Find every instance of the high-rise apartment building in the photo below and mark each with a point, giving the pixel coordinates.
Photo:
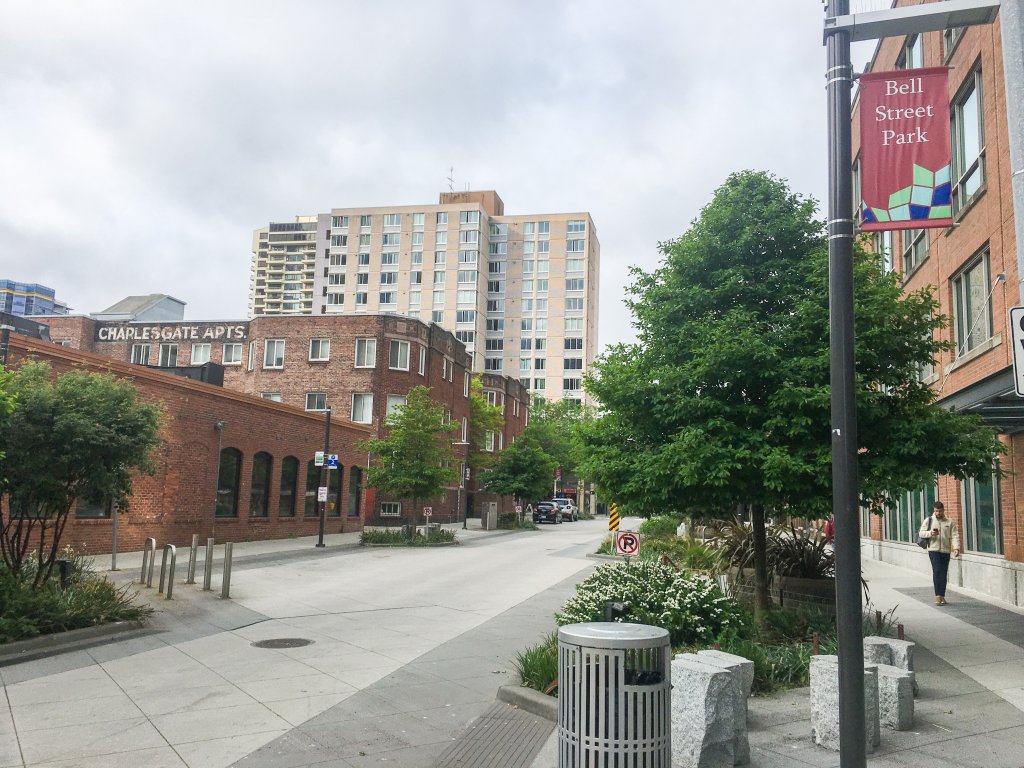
(521, 292)
(29, 299)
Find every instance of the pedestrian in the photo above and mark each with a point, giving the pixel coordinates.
(943, 541)
(830, 530)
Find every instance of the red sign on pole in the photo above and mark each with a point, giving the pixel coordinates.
(905, 150)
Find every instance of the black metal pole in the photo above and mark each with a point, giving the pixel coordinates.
(325, 475)
(5, 343)
(839, 78)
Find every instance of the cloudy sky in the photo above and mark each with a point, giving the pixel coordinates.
(142, 142)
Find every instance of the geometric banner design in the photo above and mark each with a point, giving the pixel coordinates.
(929, 197)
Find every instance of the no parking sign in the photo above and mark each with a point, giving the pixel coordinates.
(627, 543)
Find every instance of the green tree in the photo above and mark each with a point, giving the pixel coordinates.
(724, 400)
(82, 436)
(414, 459)
(523, 470)
(483, 418)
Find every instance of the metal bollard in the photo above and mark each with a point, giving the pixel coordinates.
(899, 632)
(163, 570)
(225, 582)
(148, 553)
(193, 555)
(208, 573)
(64, 568)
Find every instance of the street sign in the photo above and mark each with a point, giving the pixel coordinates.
(428, 511)
(627, 543)
(318, 459)
(321, 493)
(519, 509)
(332, 461)
(613, 518)
(1017, 334)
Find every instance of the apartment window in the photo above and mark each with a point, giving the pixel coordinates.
(366, 353)
(274, 397)
(439, 278)
(494, 345)
(968, 138)
(439, 298)
(437, 316)
(465, 384)
(465, 316)
(525, 364)
(526, 324)
(417, 257)
(527, 286)
(489, 441)
(339, 222)
(572, 385)
(574, 265)
(528, 267)
(394, 403)
(140, 354)
(414, 299)
(364, 241)
(389, 259)
(575, 226)
(391, 509)
(423, 361)
(273, 353)
(439, 258)
(392, 220)
(364, 221)
(499, 230)
(972, 310)
(200, 354)
(466, 337)
(469, 217)
(495, 325)
(288, 487)
(339, 241)
(983, 529)
(574, 246)
(252, 356)
(541, 305)
(574, 343)
(390, 239)
(168, 355)
(468, 257)
(543, 228)
(442, 218)
(542, 267)
(231, 354)
(469, 237)
(418, 220)
(574, 284)
(398, 355)
(335, 299)
(529, 228)
(360, 299)
(525, 344)
(572, 364)
(574, 305)
(362, 407)
(543, 248)
(465, 429)
(497, 305)
(389, 278)
(417, 238)
(493, 364)
(540, 363)
(363, 260)
(915, 248)
(319, 350)
(883, 247)
(336, 278)
(338, 259)
(465, 297)
(496, 267)
(467, 276)
(416, 277)
(574, 323)
(440, 238)
(495, 286)
(912, 55)
(540, 384)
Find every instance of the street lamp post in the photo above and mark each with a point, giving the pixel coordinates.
(325, 475)
(463, 476)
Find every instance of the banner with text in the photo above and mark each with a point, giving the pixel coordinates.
(905, 150)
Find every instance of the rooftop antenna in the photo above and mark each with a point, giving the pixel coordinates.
(451, 179)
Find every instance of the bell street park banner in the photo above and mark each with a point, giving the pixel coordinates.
(905, 151)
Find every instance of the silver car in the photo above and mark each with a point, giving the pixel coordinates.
(569, 510)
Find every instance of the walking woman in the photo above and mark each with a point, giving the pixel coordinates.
(944, 540)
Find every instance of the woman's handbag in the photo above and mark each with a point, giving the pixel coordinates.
(923, 541)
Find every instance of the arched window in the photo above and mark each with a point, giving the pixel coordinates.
(355, 479)
(312, 483)
(259, 494)
(334, 494)
(289, 483)
(228, 475)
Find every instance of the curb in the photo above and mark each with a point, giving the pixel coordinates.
(71, 640)
(529, 700)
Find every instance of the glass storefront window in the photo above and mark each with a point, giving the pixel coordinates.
(982, 524)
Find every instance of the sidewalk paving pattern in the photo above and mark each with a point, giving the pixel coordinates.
(393, 680)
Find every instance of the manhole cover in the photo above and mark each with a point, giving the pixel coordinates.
(282, 642)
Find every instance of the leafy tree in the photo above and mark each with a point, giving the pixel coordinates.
(80, 437)
(414, 459)
(523, 470)
(483, 418)
(724, 400)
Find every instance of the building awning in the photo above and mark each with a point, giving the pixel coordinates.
(994, 399)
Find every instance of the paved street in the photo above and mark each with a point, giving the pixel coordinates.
(408, 649)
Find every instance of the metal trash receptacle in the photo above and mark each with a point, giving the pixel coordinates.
(614, 696)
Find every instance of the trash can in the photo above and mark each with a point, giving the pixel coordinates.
(614, 696)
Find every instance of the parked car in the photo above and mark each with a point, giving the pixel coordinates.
(547, 512)
(569, 510)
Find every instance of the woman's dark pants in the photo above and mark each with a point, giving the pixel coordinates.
(940, 567)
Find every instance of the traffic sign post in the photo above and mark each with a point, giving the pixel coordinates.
(321, 493)
(627, 543)
(613, 518)
(428, 511)
(1017, 334)
(318, 459)
(332, 461)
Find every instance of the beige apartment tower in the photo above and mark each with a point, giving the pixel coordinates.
(520, 291)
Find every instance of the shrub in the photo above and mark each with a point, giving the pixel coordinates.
(509, 521)
(399, 538)
(685, 553)
(538, 664)
(692, 608)
(660, 526)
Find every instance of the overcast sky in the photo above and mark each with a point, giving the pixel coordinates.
(142, 142)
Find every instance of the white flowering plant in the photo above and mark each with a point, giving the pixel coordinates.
(691, 607)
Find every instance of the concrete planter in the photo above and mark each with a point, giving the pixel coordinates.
(811, 592)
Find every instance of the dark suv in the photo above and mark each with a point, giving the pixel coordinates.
(546, 512)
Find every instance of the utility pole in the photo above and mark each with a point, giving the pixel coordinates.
(325, 474)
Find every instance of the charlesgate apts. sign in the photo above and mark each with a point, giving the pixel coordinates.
(171, 332)
(904, 155)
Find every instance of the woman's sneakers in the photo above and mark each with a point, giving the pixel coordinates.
(940, 600)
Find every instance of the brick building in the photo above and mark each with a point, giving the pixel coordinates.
(229, 465)
(360, 366)
(973, 267)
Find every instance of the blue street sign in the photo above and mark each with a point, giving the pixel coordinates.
(332, 461)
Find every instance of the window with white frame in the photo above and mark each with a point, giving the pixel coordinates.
(200, 354)
(496, 267)
(422, 370)
(388, 297)
(469, 217)
(338, 259)
(440, 237)
(574, 304)
(574, 323)
(469, 236)
(417, 238)
(574, 265)
(465, 384)
(489, 441)
(339, 241)
(574, 284)
(493, 364)
(252, 356)
(340, 222)
(442, 218)
(364, 221)
(915, 248)
(572, 364)
(883, 247)
(439, 258)
(335, 299)
(273, 353)
(437, 316)
(498, 230)
(543, 228)
(231, 354)
(468, 257)
(366, 353)
(465, 429)
(316, 401)
(391, 509)
(498, 305)
(540, 383)
(912, 54)
(438, 297)
(140, 354)
(466, 337)
(398, 355)
(541, 324)
(543, 248)
(168, 355)
(364, 241)
(575, 246)
(494, 345)
(416, 277)
(574, 343)
(572, 385)
(982, 515)
(418, 220)
(526, 324)
(465, 297)
(540, 363)
(575, 226)
(529, 248)
(362, 407)
(363, 260)
(525, 364)
(319, 350)
(389, 278)
(972, 308)
(272, 396)
(496, 286)
(392, 219)
(495, 325)
(389, 259)
(394, 403)
(414, 298)
(360, 299)
(336, 278)
(467, 276)
(968, 140)
(465, 316)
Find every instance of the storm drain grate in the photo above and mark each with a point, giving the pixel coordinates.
(282, 642)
